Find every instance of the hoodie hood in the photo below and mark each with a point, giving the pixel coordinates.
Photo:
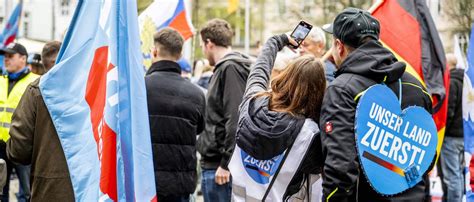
(237, 57)
(263, 133)
(373, 61)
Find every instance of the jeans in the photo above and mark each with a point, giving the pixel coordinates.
(23, 173)
(213, 192)
(451, 164)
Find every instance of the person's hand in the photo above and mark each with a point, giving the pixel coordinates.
(292, 41)
(222, 176)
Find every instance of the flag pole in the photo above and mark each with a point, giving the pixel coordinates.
(375, 5)
(53, 30)
(7, 11)
(247, 26)
(19, 22)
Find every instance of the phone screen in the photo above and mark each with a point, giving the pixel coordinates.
(300, 32)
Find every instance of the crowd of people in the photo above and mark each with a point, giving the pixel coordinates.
(294, 108)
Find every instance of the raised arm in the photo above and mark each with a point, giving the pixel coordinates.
(260, 73)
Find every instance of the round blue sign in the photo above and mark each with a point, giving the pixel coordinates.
(260, 170)
(395, 147)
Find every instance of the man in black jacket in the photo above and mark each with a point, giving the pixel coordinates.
(176, 110)
(226, 88)
(361, 62)
(453, 143)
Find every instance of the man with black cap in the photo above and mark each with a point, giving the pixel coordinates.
(12, 87)
(361, 62)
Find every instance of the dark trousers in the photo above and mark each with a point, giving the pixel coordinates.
(173, 198)
(23, 173)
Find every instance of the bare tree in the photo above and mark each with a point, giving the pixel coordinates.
(331, 8)
(461, 12)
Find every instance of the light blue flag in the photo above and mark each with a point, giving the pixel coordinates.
(468, 118)
(97, 100)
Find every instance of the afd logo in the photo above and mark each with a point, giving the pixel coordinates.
(260, 170)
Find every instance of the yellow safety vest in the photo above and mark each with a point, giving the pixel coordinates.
(9, 102)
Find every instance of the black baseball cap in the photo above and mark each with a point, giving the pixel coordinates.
(33, 58)
(13, 48)
(352, 25)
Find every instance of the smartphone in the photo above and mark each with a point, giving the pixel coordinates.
(300, 32)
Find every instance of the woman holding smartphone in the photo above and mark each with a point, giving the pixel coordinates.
(277, 128)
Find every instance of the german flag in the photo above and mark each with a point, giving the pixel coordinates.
(408, 30)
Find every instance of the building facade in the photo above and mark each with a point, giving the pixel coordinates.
(46, 20)
(42, 20)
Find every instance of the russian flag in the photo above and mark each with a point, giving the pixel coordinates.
(11, 28)
(161, 14)
(96, 97)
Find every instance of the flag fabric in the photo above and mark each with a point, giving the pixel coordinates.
(408, 30)
(233, 5)
(468, 119)
(11, 28)
(10, 32)
(96, 97)
(161, 14)
(142, 5)
(458, 51)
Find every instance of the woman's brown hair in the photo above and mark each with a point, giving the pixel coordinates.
(299, 89)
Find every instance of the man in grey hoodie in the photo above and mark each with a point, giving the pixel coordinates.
(226, 88)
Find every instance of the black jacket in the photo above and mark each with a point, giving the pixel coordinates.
(454, 120)
(176, 114)
(367, 65)
(224, 96)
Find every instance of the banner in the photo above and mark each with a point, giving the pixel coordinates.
(395, 146)
(96, 95)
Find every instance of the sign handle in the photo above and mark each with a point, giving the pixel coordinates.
(400, 91)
